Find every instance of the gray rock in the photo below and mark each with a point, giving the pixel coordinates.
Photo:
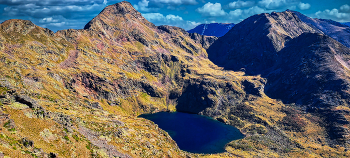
(27, 143)
(96, 105)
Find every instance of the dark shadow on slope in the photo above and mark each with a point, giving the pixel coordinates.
(194, 99)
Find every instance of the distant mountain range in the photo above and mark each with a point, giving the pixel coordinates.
(336, 30)
(213, 29)
(347, 24)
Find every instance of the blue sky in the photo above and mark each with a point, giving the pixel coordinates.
(65, 14)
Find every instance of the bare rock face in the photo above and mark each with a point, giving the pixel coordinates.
(27, 100)
(21, 26)
(206, 41)
(101, 143)
(117, 17)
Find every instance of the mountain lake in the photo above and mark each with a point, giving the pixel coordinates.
(194, 133)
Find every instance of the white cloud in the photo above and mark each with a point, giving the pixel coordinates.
(142, 6)
(48, 20)
(193, 23)
(271, 4)
(241, 14)
(60, 24)
(253, 10)
(153, 16)
(55, 14)
(160, 17)
(38, 11)
(277, 4)
(240, 4)
(172, 20)
(176, 2)
(304, 6)
(236, 13)
(154, 5)
(333, 14)
(173, 17)
(55, 21)
(211, 9)
(345, 8)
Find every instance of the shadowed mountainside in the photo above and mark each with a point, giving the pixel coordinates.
(254, 43)
(302, 65)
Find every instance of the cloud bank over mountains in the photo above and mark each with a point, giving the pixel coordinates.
(64, 14)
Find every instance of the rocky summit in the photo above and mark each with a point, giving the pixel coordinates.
(78, 93)
(254, 43)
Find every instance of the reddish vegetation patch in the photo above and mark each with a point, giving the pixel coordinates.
(101, 143)
(294, 121)
(10, 48)
(71, 60)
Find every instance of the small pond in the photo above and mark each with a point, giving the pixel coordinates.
(195, 133)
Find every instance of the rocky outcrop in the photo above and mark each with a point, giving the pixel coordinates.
(27, 101)
(113, 12)
(102, 144)
(206, 41)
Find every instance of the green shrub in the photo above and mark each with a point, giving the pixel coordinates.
(66, 138)
(76, 137)
(7, 124)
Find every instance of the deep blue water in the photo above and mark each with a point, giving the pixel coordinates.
(195, 133)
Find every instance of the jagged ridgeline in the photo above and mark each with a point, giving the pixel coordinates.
(77, 93)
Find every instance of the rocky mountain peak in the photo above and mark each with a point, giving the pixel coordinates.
(123, 8)
(116, 14)
(17, 25)
(257, 40)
